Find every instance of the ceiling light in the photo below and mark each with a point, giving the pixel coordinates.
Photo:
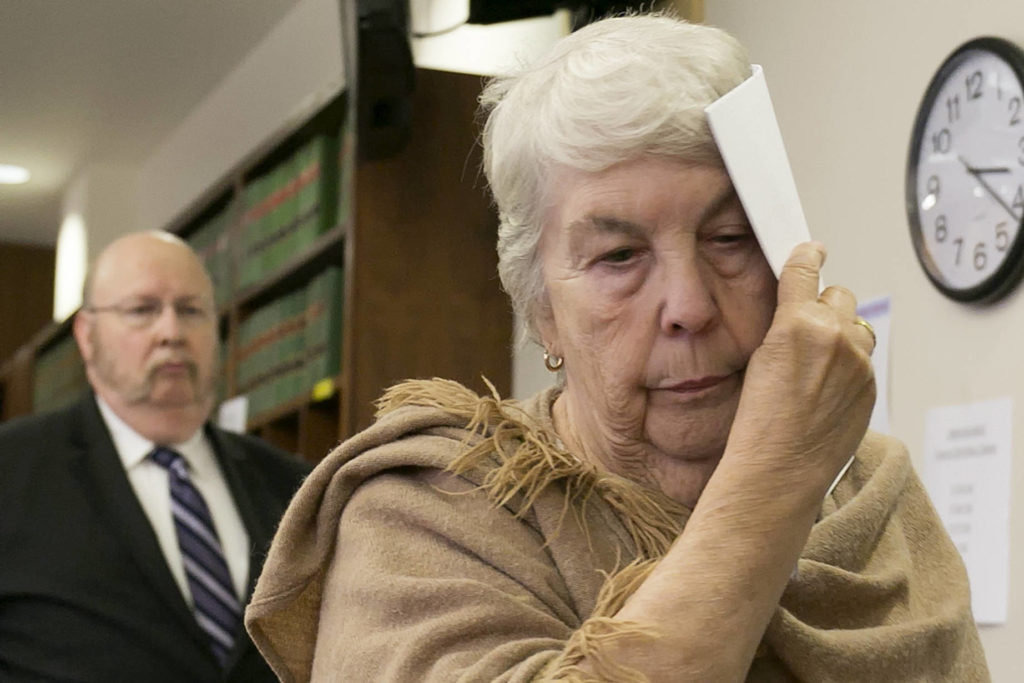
(13, 175)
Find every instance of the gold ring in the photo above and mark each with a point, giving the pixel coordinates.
(867, 326)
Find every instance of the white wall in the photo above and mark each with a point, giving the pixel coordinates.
(846, 79)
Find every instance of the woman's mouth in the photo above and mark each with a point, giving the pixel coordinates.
(698, 388)
(696, 385)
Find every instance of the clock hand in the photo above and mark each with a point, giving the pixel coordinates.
(977, 173)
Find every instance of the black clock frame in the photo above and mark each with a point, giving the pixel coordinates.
(1009, 273)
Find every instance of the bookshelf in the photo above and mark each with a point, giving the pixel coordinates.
(411, 240)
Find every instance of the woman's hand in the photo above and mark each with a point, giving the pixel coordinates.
(809, 388)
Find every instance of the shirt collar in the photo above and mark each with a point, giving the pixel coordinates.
(133, 448)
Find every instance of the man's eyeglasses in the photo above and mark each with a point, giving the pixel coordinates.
(143, 314)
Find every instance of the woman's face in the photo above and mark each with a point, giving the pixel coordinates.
(658, 294)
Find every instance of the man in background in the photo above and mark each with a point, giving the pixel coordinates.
(131, 529)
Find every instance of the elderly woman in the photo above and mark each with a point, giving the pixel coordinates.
(664, 513)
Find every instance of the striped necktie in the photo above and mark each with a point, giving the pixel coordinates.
(217, 608)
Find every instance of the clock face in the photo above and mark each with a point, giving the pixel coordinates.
(965, 173)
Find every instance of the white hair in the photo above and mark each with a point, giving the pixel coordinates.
(615, 90)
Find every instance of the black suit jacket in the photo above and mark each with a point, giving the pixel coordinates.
(85, 592)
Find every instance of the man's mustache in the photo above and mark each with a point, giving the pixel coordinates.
(190, 365)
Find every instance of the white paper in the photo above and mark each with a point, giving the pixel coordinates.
(877, 312)
(967, 474)
(747, 133)
(233, 414)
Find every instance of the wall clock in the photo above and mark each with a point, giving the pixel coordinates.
(965, 172)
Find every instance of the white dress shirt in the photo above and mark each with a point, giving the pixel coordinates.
(151, 483)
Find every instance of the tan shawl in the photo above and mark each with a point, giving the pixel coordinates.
(456, 540)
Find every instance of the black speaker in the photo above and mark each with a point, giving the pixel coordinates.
(386, 79)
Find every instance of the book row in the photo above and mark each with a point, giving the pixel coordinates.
(290, 344)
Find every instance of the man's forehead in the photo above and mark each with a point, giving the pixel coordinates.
(152, 274)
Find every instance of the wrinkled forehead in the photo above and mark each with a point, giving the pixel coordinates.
(700, 190)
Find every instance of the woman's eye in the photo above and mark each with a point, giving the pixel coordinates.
(619, 255)
(727, 239)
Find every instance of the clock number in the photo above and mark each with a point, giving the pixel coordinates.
(942, 142)
(1018, 199)
(953, 108)
(980, 257)
(1020, 146)
(933, 186)
(940, 229)
(1002, 237)
(959, 242)
(973, 83)
(1014, 108)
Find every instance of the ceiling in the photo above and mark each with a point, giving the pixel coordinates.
(105, 81)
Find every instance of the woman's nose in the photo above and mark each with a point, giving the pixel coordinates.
(687, 302)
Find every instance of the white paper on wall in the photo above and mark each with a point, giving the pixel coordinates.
(967, 475)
